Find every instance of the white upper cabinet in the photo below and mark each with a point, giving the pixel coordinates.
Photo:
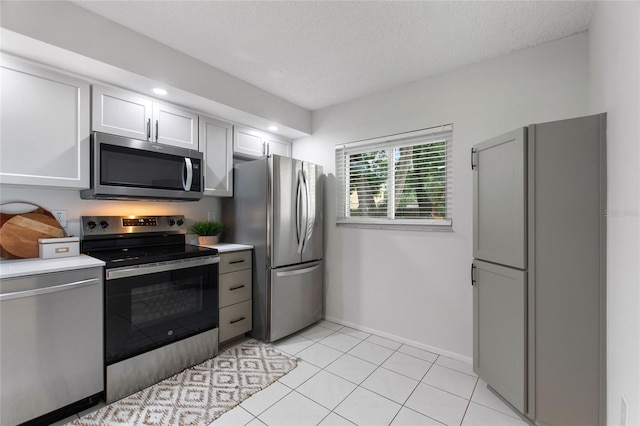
(254, 143)
(248, 142)
(277, 145)
(45, 126)
(175, 126)
(120, 112)
(216, 144)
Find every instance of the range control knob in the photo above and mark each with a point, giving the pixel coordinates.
(91, 224)
(172, 222)
(104, 224)
(180, 222)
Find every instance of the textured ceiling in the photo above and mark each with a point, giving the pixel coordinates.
(319, 53)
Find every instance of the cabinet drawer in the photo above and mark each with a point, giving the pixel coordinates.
(235, 261)
(235, 287)
(235, 320)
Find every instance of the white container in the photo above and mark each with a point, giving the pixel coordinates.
(59, 247)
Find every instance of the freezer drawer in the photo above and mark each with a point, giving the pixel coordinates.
(499, 333)
(235, 320)
(296, 298)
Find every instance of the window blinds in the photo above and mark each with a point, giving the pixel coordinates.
(402, 180)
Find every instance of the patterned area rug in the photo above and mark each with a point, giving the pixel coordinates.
(200, 394)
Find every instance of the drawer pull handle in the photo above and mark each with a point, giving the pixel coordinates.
(238, 287)
(236, 261)
(237, 320)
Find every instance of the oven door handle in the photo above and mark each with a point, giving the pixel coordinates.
(152, 268)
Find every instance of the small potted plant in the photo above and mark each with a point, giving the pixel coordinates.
(208, 232)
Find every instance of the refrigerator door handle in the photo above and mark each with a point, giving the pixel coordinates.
(297, 271)
(299, 221)
(309, 220)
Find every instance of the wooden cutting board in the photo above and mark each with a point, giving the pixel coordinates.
(19, 233)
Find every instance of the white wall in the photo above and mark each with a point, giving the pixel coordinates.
(69, 200)
(416, 284)
(614, 65)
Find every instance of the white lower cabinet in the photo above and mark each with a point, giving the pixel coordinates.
(45, 126)
(235, 294)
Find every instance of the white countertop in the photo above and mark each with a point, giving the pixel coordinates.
(227, 247)
(11, 268)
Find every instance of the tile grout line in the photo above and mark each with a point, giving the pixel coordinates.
(394, 351)
(413, 391)
(469, 402)
(377, 367)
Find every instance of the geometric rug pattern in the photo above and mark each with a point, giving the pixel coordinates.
(199, 394)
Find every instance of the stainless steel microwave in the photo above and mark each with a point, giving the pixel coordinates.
(132, 169)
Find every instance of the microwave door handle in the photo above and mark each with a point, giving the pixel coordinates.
(186, 180)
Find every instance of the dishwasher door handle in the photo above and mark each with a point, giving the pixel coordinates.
(47, 290)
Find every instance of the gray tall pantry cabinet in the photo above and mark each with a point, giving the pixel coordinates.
(538, 275)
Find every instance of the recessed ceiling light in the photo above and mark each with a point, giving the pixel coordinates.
(273, 128)
(159, 91)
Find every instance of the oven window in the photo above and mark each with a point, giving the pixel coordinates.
(149, 311)
(164, 301)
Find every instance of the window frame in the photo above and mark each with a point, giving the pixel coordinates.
(343, 153)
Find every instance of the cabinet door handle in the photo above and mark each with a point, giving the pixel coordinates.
(473, 281)
(148, 129)
(473, 166)
(233, 262)
(237, 320)
(156, 130)
(238, 287)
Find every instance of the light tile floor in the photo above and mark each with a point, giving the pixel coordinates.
(349, 377)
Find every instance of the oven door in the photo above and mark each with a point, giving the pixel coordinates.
(152, 305)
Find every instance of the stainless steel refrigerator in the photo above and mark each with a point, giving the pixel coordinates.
(277, 208)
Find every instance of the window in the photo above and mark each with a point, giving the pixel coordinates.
(401, 180)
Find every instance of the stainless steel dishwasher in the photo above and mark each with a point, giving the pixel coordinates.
(51, 343)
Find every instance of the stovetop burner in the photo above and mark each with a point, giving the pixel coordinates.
(132, 240)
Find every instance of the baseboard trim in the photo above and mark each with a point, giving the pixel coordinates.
(399, 339)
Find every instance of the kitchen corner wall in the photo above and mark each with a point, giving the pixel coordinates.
(614, 83)
(415, 284)
(69, 200)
